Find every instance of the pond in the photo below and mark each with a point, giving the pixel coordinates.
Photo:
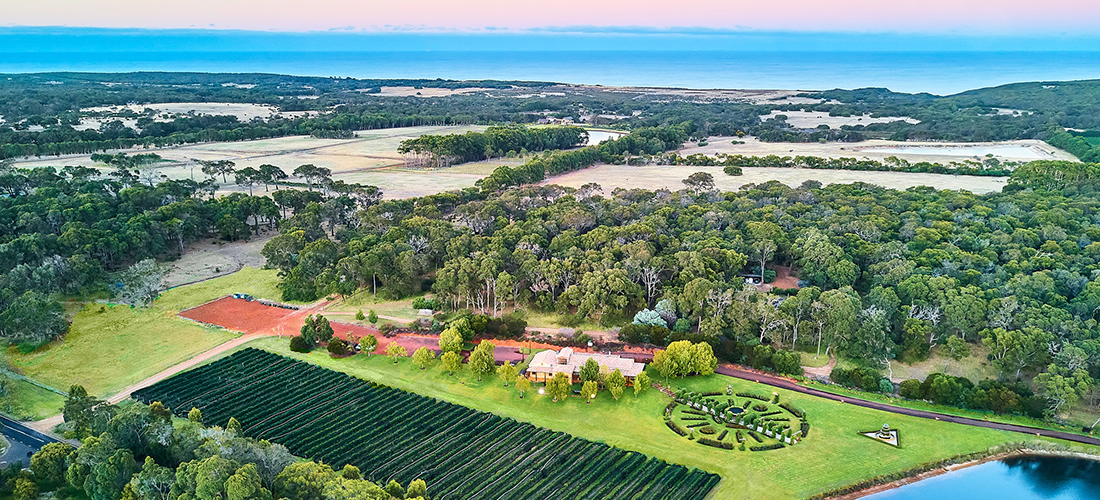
(1017, 478)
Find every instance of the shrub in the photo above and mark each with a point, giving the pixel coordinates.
(708, 430)
(299, 344)
(767, 447)
(337, 347)
(732, 170)
(910, 389)
(753, 395)
(722, 436)
(759, 407)
(885, 386)
(423, 303)
(676, 428)
(794, 411)
(805, 429)
(715, 443)
(387, 328)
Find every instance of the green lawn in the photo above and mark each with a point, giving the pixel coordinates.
(110, 347)
(812, 360)
(833, 455)
(27, 401)
(260, 283)
(365, 300)
(1083, 416)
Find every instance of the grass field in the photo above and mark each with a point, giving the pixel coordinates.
(794, 472)
(27, 401)
(110, 347)
(260, 283)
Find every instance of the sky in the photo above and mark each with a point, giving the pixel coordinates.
(954, 17)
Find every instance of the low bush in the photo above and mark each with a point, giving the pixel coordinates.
(767, 447)
(759, 407)
(805, 429)
(299, 344)
(794, 410)
(754, 396)
(715, 443)
(676, 428)
(708, 430)
(722, 436)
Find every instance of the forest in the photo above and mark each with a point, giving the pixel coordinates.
(77, 232)
(885, 275)
(55, 102)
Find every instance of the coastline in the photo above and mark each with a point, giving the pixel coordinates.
(947, 468)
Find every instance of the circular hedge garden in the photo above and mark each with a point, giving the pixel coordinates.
(744, 421)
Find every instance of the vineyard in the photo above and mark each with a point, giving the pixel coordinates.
(390, 434)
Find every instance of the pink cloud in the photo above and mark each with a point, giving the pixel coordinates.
(960, 16)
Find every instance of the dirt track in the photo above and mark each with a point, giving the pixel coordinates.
(794, 386)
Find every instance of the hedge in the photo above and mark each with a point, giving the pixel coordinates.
(717, 444)
(767, 447)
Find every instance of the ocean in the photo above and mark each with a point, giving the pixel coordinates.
(934, 72)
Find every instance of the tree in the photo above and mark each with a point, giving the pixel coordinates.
(270, 174)
(664, 364)
(372, 317)
(452, 361)
(214, 168)
(417, 489)
(558, 386)
(34, 318)
(507, 373)
(523, 385)
(588, 391)
(641, 383)
(423, 356)
(590, 370)
(700, 182)
(49, 463)
(233, 425)
(368, 344)
(482, 360)
(359, 316)
(957, 349)
(195, 415)
(139, 284)
(24, 489)
(615, 383)
(153, 482)
(450, 340)
(394, 489)
(246, 484)
(396, 350)
(247, 177)
(304, 481)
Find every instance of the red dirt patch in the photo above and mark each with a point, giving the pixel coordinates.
(239, 314)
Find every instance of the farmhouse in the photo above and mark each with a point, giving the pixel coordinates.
(546, 363)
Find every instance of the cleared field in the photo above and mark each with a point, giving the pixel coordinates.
(811, 119)
(912, 151)
(210, 258)
(671, 177)
(110, 347)
(833, 455)
(394, 435)
(371, 158)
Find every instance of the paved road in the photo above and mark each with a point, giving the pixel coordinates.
(793, 386)
(24, 442)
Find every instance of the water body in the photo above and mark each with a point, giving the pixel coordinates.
(934, 72)
(1025, 478)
